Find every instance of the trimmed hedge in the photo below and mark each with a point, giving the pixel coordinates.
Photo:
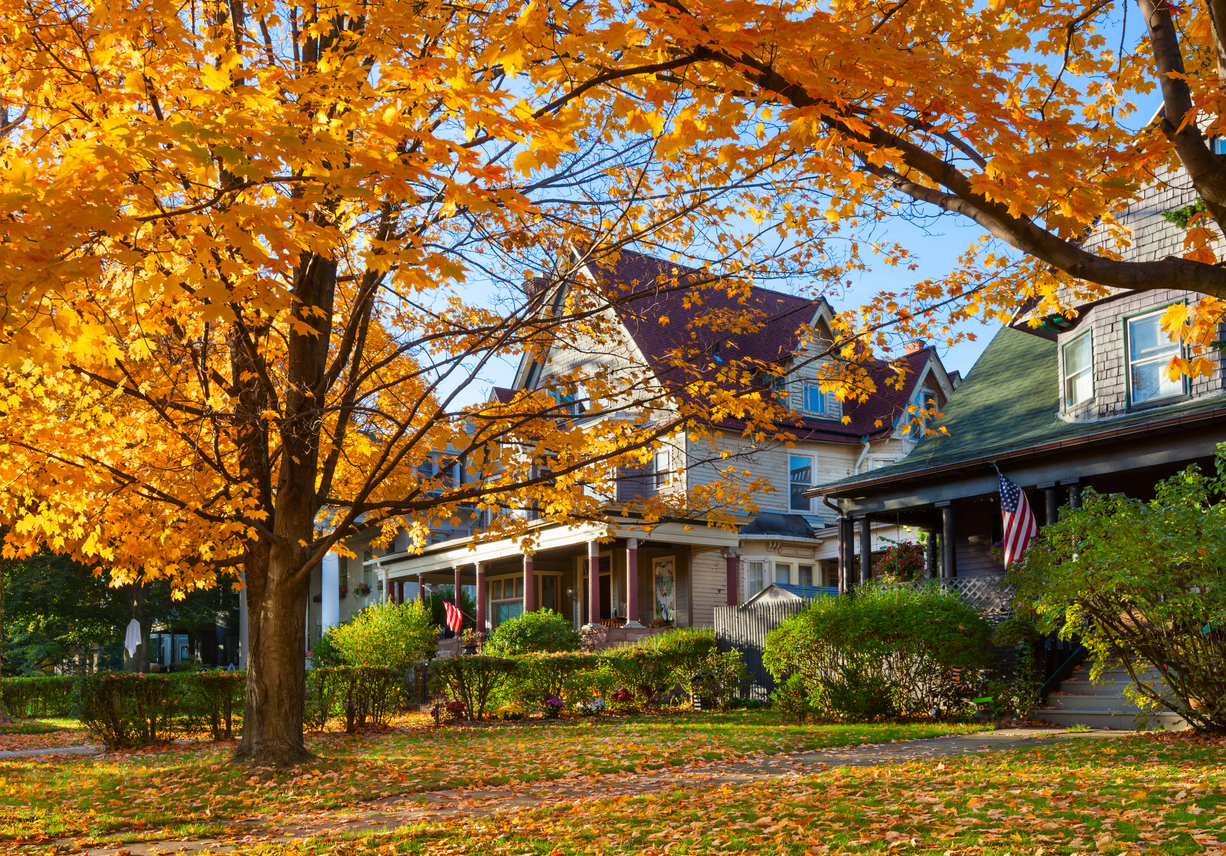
(27, 698)
(357, 694)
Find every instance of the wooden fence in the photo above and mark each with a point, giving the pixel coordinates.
(744, 628)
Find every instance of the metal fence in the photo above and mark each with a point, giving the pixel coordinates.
(744, 628)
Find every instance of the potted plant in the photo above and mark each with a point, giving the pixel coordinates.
(472, 641)
(551, 706)
(361, 589)
(344, 592)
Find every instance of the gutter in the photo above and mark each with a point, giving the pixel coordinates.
(1101, 437)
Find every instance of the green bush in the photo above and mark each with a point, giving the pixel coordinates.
(385, 635)
(533, 632)
(1143, 584)
(888, 650)
(470, 680)
(356, 694)
(684, 648)
(569, 675)
(125, 709)
(717, 679)
(210, 700)
(791, 699)
(37, 697)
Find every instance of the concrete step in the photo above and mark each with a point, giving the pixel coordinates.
(1108, 719)
(1070, 701)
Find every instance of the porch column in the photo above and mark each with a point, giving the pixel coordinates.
(1050, 511)
(847, 558)
(866, 550)
(329, 589)
(458, 604)
(632, 582)
(480, 597)
(421, 590)
(593, 583)
(529, 589)
(1074, 495)
(949, 557)
(930, 554)
(383, 583)
(732, 562)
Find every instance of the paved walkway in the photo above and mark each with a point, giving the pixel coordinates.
(393, 812)
(54, 750)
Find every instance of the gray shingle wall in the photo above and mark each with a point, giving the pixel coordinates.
(1107, 321)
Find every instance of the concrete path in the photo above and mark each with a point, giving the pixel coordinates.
(54, 750)
(393, 812)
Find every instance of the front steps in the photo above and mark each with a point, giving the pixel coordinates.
(1101, 705)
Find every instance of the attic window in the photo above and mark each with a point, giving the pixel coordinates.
(559, 301)
(814, 398)
(1149, 351)
(925, 401)
(534, 371)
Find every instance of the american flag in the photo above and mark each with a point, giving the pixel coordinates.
(454, 617)
(1019, 521)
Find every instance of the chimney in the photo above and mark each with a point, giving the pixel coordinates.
(914, 346)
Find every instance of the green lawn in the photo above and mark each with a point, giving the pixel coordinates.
(1133, 795)
(192, 789)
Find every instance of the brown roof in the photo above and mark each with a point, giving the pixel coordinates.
(666, 319)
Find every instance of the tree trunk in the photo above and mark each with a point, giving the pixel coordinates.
(276, 662)
(139, 662)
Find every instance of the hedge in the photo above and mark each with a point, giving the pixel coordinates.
(357, 694)
(38, 697)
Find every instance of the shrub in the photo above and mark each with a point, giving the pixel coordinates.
(124, 709)
(42, 696)
(471, 680)
(717, 679)
(539, 675)
(358, 694)
(791, 698)
(533, 632)
(386, 635)
(684, 649)
(1144, 586)
(207, 700)
(888, 650)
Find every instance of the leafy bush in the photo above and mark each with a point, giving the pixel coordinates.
(717, 679)
(357, 694)
(124, 709)
(684, 648)
(385, 635)
(31, 697)
(901, 562)
(471, 680)
(208, 700)
(533, 632)
(791, 698)
(571, 676)
(888, 650)
(1144, 586)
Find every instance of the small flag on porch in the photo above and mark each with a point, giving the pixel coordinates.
(454, 617)
(1019, 521)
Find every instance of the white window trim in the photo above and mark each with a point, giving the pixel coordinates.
(661, 478)
(1129, 363)
(1089, 369)
(804, 398)
(812, 480)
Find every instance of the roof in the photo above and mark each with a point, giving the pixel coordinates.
(665, 321)
(781, 525)
(785, 592)
(503, 394)
(1006, 407)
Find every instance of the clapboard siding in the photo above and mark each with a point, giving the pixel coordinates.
(708, 586)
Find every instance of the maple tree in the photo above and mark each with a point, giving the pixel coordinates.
(244, 251)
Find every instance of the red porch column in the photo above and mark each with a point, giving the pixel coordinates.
(480, 597)
(529, 588)
(632, 582)
(731, 563)
(458, 604)
(593, 583)
(421, 589)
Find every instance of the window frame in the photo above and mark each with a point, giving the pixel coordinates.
(782, 566)
(808, 507)
(805, 386)
(661, 477)
(1158, 400)
(750, 591)
(918, 430)
(1088, 336)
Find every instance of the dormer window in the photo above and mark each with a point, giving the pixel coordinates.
(1078, 370)
(925, 402)
(661, 469)
(814, 398)
(1149, 352)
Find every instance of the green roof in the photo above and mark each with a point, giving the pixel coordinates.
(1008, 403)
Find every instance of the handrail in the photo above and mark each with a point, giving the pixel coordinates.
(1061, 672)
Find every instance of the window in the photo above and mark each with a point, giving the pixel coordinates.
(815, 399)
(506, 598)
(783, 573)
(925, 401)
(559, 301)
(1078, 370)
(800, 479)
(806, 574)
(1149, 351)
(534, 372)
(754, 577)
(660, 468)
